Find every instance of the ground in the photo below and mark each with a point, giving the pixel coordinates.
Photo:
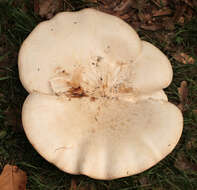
(171, 26)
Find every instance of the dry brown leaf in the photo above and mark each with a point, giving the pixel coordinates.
(13, 178)
(184, 164)
(162, 12)
(168, 23)
(153, 27)
(108, 4)
(143, 180)
(47, 8)
(92, 1)
(87, 187)
(135, 25)
(144, 17)
(179, 12)
(195, 3)
(73, 185)
(181, 20)
(189, 14)
(123, 9)
(183, 58)
(191, 143)
(160, 3)
(36, 6)
(126, 4)
(183, 93)
(188, 2)
(125, 17)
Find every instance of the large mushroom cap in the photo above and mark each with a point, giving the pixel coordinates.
(96, 104)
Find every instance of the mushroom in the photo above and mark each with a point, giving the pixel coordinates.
(96, 104)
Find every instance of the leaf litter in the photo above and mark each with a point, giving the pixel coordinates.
(183, 58)
(183, 94)
(13, 178)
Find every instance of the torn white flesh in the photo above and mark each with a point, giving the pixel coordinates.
(145, 77)
(101, 138)
(99, 83)
(101, 77)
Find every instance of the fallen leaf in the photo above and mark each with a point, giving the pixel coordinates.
(87, 187)
(144, 17)
(126, 4)
(181, 20)
(73, 185)
(188, 2)
(191, 143)
(183, 58)
(36, 6)
(135, 25)
(108, 4)
(125, 17)
(92, 1)
(195, 4)
(160, 3)
(179, 12)
(153, 27)
(183, 93)
(143, 180)
(183, 163)
(189, 14)
(13, 178)
(168, 23)
(162, 12)
(47, 8)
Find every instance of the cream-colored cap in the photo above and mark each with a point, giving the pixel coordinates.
(96, 104)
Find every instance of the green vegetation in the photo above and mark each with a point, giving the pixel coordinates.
(178, 171)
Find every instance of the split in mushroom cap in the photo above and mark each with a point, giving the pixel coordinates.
(96, 96)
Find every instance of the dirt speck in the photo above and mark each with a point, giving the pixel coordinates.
(76, 92)
(76, 78)
(93, 130)
(99, 58)
(92, 99)
(107, 49)
(123, 89)
(120, 63)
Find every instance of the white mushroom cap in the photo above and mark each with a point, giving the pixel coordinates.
(72, 40)
(96, 105)
(104, 139)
